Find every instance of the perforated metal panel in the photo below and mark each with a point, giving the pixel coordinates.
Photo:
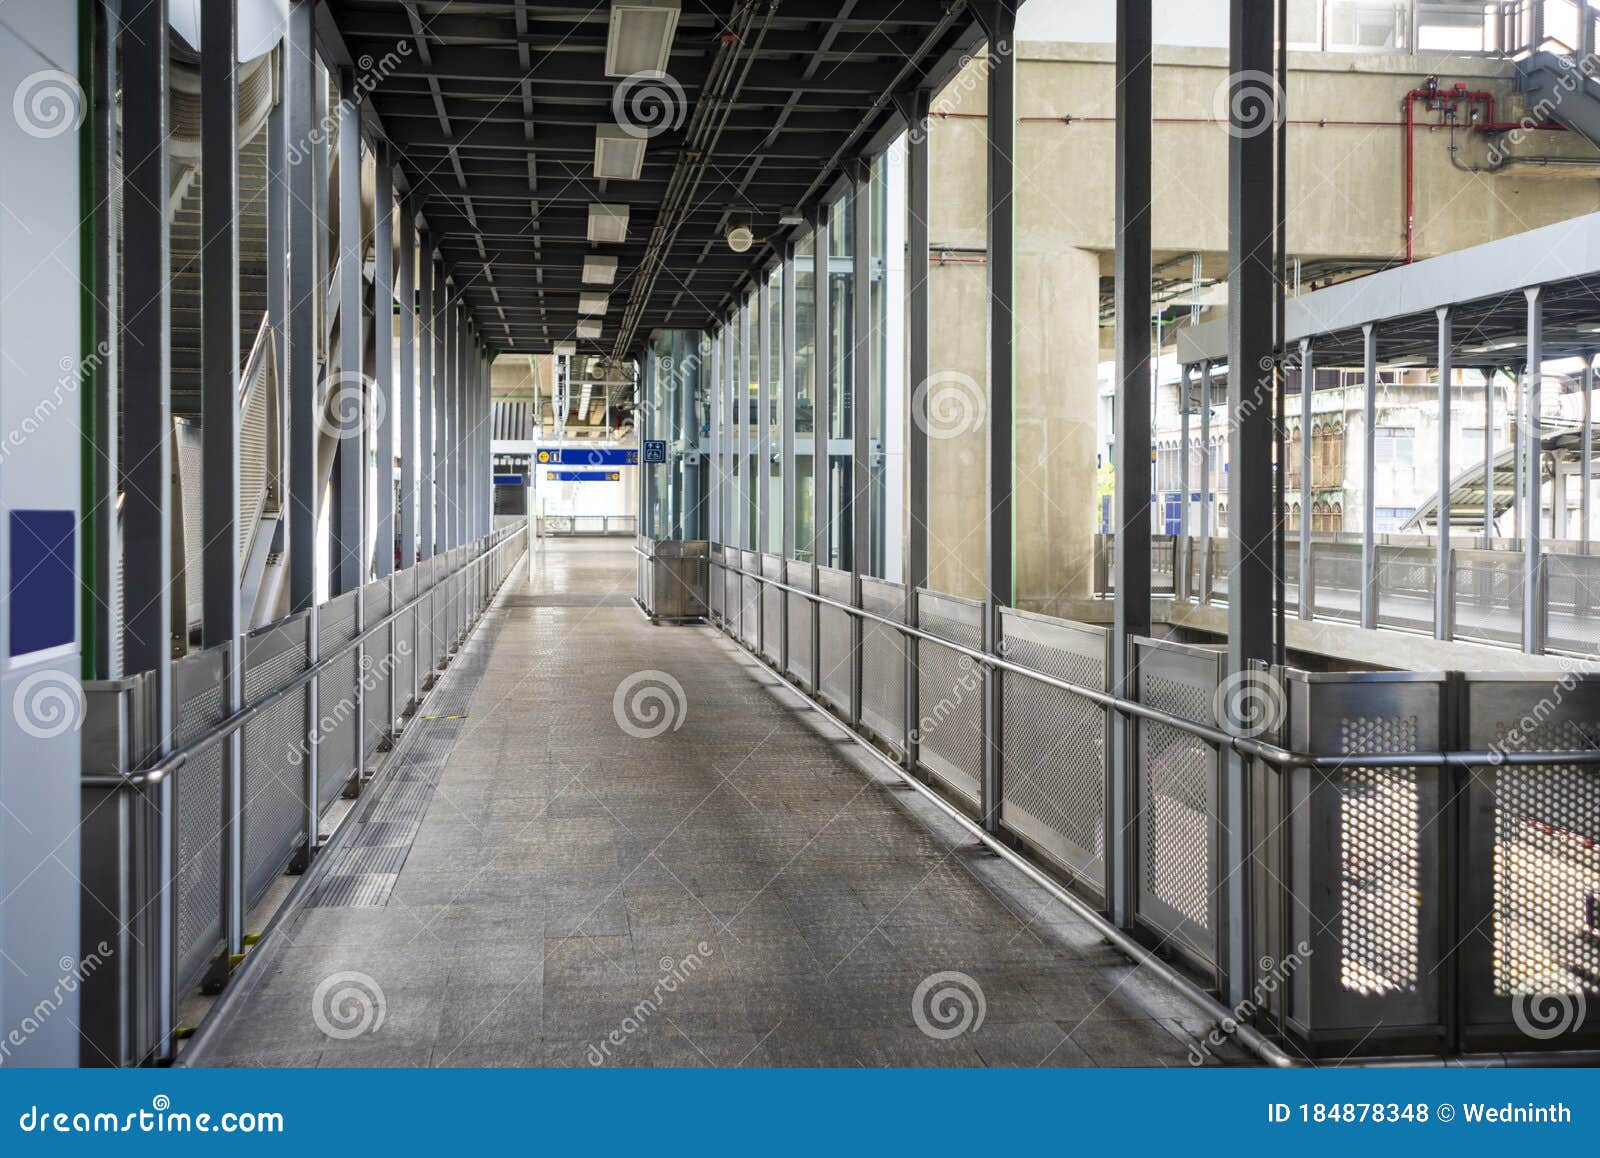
(716, 586)
(337, 699)
(1534, 833)
(772, 609)
(950, 692)
(199, 684)
(1379, 822)
(837, 657)
(750, 624)
(378, 663)
(800, 611)
(1057, 744)
(274, 754)
(1179, 798)
(732, 590)
(883, 663)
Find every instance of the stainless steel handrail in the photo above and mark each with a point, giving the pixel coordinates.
(176, 759)
(1280, 758)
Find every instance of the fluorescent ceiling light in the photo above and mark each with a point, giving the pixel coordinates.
(569, 349)
(589, 330)
(599, 269)
(593, 303)
(608, 223)
(618, 154)
(640, 36)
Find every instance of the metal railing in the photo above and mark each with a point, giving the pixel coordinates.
(551, 526)
(178, 849)
(1483, 596)
(1384, 810)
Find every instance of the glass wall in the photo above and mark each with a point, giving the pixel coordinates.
(841, 377)
(887, 361)
(749, 417)
(774, 415)
(805, 311)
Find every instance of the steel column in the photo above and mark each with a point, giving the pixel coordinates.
(383, 392)
(1204, 595)
(1533, 601)
(694, 523)
(300, 368)
(747, 339)
(860, 416)
(219, 405)
(406, 391)
(763, 414)
(1252, 288)
(714, 475)
(427, 479)
(147, 434)
(918, 186)
(349, 467)
(1488, 461)
(786, 364)
(1586, 451)
(1308, 392)
(1442, 603)
(1180, 557)
(441, 409)
(1369, 476)
(999, 579)
(1131, 607)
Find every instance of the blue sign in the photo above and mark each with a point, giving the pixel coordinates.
(573, 456)
(655, 450)
(583, 475)
(508, 480)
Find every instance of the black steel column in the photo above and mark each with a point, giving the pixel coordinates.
(441, 410)
(351, 398)
(406, 391)
(383, 393)
(821, 427)
(1131, 526)
(426, 476)
(918, 185)
(861, 516)
(1533, 600)
(301, 366)
(1443, 605)
(1251, 324)
(998, 530)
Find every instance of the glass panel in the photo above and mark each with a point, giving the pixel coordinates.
(805, 311)
(750, 416)
(841, 376)
(774, 416)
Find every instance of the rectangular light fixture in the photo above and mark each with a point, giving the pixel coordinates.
(618, 154)
(608, 223)
(566, 349)
(589, 331)
(599, 269)
(639, 38)
(593, 304)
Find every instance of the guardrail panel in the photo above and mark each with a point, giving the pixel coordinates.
(275, 749)
(836, 658)
(1058, 745)
(883, 663)
(338, 756)
(772, 610)
(800, 611)
(750, 623)
(950, 692)
(378, 664)
(199, 687)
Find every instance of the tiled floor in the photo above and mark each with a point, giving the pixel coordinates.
(744, 889)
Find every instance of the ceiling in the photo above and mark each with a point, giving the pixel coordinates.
(492, 108)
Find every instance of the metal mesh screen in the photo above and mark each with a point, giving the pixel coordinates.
(772, 609)
(715, 586)
(1057, 743)
(1179, 796)
(750, 626)
(378, 674)
(837, 660)
(1407, 580)
(274, 754)
(883, 662)
(1488, 595)
(732, 587)
(199, 682)
(337, 707)
(800, 624)
(950, 692)
(1573, 602)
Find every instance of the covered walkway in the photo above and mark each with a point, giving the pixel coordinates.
(745, 887)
